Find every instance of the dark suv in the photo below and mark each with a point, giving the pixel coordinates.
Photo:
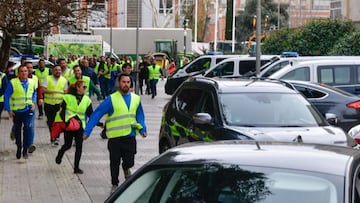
(208, 109)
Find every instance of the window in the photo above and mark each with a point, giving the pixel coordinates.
(223, 69)
(208, 105)
(165, 6)
(246, 66)
(187, 101)
(335, 75)
(199, 65)
(356, 186)
(310, 93)
(302, 74)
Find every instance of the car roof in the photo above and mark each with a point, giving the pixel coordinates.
(289, 67)
(298, 156)
(229, 85)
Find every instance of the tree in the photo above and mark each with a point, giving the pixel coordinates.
(313, 39)
(348, 45)
(244, 20)
(28, 16)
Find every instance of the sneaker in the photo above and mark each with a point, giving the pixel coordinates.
(53, 143)
(58, 160)
(32, 148)
(40, 117)
(12, 135)
(78, 171)
(25, 155)
(56, 142)
(113, 189)
(18, 153)
(103, 134)
(127, 173)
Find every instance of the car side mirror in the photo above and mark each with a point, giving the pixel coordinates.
(202, 119)
(331, 118)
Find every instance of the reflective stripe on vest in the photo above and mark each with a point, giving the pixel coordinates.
(154, 72)
(73, 109)
(20, 98)
(123, 120)
(55, 98)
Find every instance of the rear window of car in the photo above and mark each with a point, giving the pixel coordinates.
(233, 183)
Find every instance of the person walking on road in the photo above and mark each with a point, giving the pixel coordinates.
(154, 74)
(54, 87)
(19, 102)
(125, 118)
(76, 106)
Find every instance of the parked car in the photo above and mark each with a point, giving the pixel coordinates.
(343, 74)
(238, 66)
(208, 109)
(195, 67)
(270, 68)
(329, 99)
(240, 171)
(16, 64)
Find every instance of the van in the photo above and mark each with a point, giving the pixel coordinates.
(343, 74)
(270, 68)
(239, 66)
(195, 67)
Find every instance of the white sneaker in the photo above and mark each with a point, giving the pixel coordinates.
(113, 189)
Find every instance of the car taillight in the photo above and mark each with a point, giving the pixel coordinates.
(354, 105)
(357, 139)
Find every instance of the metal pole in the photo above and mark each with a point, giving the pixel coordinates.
(110, 27)
(185, 24)
(137, 88)
(258, 36)
(233, 28)
(196, 21)
(278, 17)
(216, 24)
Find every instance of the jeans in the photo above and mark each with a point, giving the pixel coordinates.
(153, 84)
(25, 121)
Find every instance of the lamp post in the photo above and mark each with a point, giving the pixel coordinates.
(110, 27)
(185, 24)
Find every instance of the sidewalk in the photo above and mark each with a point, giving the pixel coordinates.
(40, 179)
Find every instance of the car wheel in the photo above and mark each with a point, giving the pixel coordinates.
(164, 145)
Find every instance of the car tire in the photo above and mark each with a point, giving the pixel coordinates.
(164, 145)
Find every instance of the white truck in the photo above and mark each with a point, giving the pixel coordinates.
(123, 40)
(63, 45)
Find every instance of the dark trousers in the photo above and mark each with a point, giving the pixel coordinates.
(1, 108)
(153, 84)
(121, 148)
(68, 139)
(50, 112)
(40, 108)
(23, 120)
(105, 86)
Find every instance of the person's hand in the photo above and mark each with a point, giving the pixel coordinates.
(144, 135)
(11, 114)
(41, 101)
(85, 137)
(32, 107)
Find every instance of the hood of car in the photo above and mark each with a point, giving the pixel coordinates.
(321, 135)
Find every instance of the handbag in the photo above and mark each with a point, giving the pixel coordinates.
(73, 125)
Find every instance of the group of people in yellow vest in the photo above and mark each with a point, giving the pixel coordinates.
(63, 94)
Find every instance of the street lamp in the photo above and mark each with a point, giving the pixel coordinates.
(185, 24)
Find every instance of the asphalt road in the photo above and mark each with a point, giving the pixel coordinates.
(40, 179)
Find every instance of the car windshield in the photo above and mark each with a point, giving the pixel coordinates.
(233, 183)
(269, 110)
